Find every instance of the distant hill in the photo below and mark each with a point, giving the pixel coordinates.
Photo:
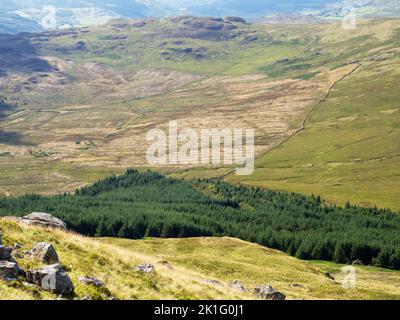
(19, 16)
(13, 23)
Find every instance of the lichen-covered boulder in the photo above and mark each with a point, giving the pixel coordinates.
(5, 253)
(51, 278)
(268, 292)
(44, 252)
(44, 220)
(9, 270)
(145, 268)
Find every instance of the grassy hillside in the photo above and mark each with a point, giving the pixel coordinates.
(348, 150)
(79, 102)
(193, 260)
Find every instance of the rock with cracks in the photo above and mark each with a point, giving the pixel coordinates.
(268, 292)
(44, 252)
(9, 270)
(5, 253)
(51, 278)
(145, 268)
(91, 281)
(44, 220)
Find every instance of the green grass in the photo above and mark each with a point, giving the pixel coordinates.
(349, 150)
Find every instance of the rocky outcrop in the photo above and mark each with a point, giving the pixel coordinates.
(79, 46)
(44, 220)
(145, 268)
(235, 19)
(91, 281)
(9, 270)
(44, 252)
(237, 285)
(268, 292)
(51, 278)
(249, 39)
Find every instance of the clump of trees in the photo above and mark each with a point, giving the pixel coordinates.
(147, 204)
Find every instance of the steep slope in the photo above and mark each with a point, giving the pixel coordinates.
(193, 262)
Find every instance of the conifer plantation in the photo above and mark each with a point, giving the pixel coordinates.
(147, 204)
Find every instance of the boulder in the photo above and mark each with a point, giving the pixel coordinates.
(237, 285)
(44, 252)
(212, 282)
(91, 281)
(5, 253)
(138, 24)
(145, 268)
(9, 270)
(51, 278)
(267, 292)
(43, 220)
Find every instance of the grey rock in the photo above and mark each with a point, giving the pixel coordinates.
(51, 278)
(44, 252)
(212, 282)
(268, 292)
(91, 281)
(9, 270)
(44, 220)
(250, 38)
(237, 285)
(5, 253)
(145, 268)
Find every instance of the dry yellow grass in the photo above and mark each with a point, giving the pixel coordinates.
(193, 261)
